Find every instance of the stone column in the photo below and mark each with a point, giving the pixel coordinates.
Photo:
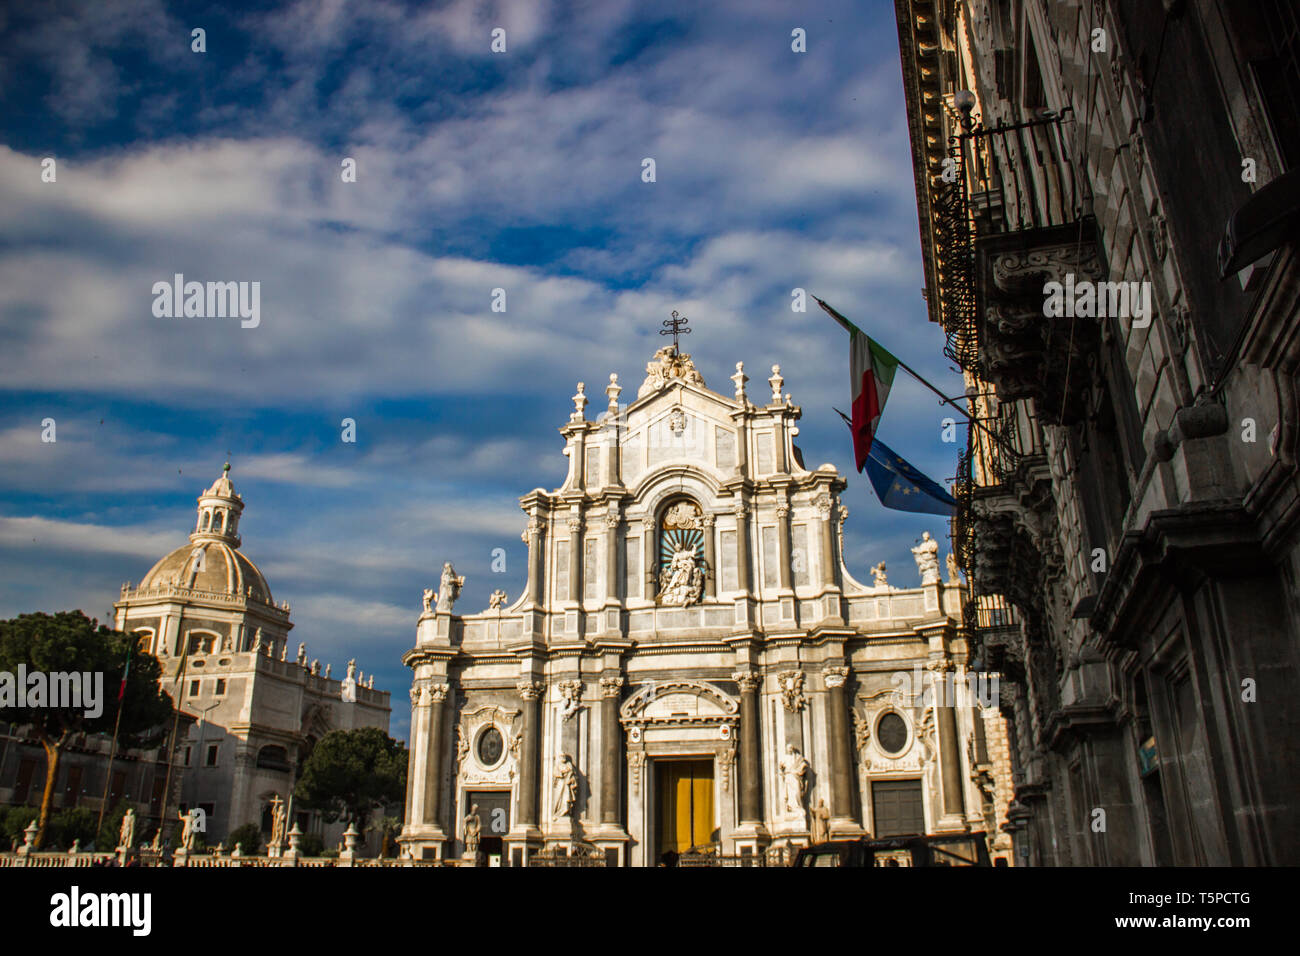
(437, 694)
(611, 757)
(611, 555)
(530, 692)
(648, 557)
(413, 759)
(711, 575)
(750, 810)
(827, 542)
(838, 731)
(783, 541)
(742, 546)
(575, 560)
(949, 752)
(535, 561)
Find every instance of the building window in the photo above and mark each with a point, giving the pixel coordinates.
(891, 733)
(213, 750)
(273, 758)
(491, 745)
(221, 686)
(189, 754)
(194, 688)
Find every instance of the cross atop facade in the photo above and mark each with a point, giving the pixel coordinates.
(674, 327)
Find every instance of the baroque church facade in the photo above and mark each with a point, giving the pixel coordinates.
(252, 707)
(691, 665)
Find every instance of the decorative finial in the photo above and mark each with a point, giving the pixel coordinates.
(740, 378)
(776, 381)
(613, 389)
(579, 403)
(674, 327)
(225, 471)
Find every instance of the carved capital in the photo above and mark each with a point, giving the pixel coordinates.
(748, 681)
(438, 693)
(823, 505)
(611, 686)
(530, 689)
(574, 525)
(706, 520)
(835, 675)
(612, 519)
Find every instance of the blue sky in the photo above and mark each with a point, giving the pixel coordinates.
(475, 171)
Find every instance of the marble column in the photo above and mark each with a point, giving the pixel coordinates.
(611, 760)
(838, 730)
(530, 692)
(710, 564)
(648, 558)
(949, 744)
(783, 541)
(742, 547)
(827, 542)
(750, 810)
(437, 694)
(535, 562)
(575, 560)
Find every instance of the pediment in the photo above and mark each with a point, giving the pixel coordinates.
(681, 700)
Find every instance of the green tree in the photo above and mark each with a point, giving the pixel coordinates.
(249, 838)
(352, 773)
(108, 834)
(71, 824)
(14, 820)
(70, 642)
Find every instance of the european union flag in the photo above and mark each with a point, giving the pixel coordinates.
(901, 487)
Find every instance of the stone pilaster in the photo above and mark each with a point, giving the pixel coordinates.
(751, 811)
(710, 563)
(837, 730)
(611, 749)
(530, 692)
(437, 696)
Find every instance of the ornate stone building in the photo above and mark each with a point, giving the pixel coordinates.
(257, 708)
(1108, 196)
(691, 664)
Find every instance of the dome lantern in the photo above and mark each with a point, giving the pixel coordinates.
(219, 509)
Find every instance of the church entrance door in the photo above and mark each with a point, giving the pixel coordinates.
(684, 802)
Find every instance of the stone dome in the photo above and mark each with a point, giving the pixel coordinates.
(208, 565)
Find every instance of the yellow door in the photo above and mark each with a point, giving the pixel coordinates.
(685, 794)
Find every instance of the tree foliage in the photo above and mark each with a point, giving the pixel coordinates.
(248, 837)
(352, 773)
(69, 642)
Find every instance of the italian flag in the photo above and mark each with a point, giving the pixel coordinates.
(871, 370)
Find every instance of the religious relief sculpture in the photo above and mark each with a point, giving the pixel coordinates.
(571, 697)
(682, 581)
(449, 588)
(677, 421)
(681, 559)
(669, 366)
(927, 559)
(794, 780)
(861, 731)
(953, 574)
(878, 577)
(566, 785)
(791, 684)
(821, 823)
(278, 814)
(497, 600)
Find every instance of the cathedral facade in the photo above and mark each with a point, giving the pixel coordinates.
(691, 665)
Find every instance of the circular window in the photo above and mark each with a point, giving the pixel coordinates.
(490, 747)
(891, 733)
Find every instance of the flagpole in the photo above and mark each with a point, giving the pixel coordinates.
(112, 755)
(970, 419)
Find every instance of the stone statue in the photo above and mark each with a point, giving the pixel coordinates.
(449, 588)
(352, 669)
(473, 829)
(187, 830)
(878, 578)
(497, 600)
(794, 777)
(284, 651)
(370, 682)
(927, 559)
(861, 731)
(328, 668)
(681, 581)
(821, 822)
(126, 834)
(315, 668)
(257, 641)
(156, 844)
(302, 654)
(953, 577)
(667, 366)
(277, 822)
(566, 785)
(571, 692)
(429, 596)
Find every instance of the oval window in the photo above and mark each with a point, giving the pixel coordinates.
(490, 747)
(891, 733)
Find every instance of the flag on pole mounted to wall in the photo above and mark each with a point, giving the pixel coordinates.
(130, 646)
(899, 485)
(871, 369)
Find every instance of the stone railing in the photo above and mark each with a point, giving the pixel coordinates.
(225, 861)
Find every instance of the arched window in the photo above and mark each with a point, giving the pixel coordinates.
(220, 521)
(207, 520)
(273, 758)
(144, 640)
(202, 642)
(681, 553)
